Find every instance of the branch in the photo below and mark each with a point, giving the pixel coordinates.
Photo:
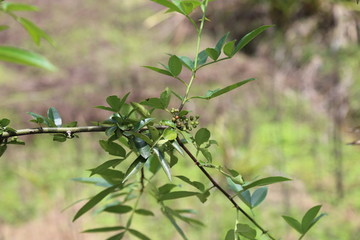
(226, 194)
(65, 130)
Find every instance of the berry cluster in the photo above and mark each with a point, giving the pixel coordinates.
(182, 121)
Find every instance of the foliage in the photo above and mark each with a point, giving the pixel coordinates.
(18, 55)
(141, 145)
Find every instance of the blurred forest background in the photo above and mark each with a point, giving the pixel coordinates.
(295, 120)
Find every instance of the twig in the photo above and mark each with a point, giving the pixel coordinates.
(64, 130)
(226, 194)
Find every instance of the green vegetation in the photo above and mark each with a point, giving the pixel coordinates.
(273, 136)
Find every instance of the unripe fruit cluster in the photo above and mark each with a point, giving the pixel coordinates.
(184, 122)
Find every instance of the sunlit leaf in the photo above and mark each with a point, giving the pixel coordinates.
(24, 57)
(293, 223)
(195, 184)
(246, 231)
(54, 115)
(113, 148)
(221, 42)
(175, 65)
(119, 209)
(138, 234)
(258, 196)
(159, 70)
(165, 97)
(170, 134)
(176, 195)
(249, 37)
(213, 53)
(215, 93)
(135, 167)
(230, 235)
(93, 201)
(34, 31)
(154, 103)
(144, 212)
(104, 229)
(106, 165)
(187, 62)
(164, 164)
(229, 48)
(202, 57)
(118, 236)
(309, 216)
(202, 136)
(14, 7)
(265, 181)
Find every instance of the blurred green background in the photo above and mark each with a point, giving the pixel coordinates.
(295, 120)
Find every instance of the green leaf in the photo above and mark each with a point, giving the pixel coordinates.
(187, 62)
(144, 212)
(168, 4)
(202, 57)
(165, 97)
(167, 214)
(163, 162)
(221, 42)
(206, 154)
(309, 217)
(265, 181)
(54, 115)
(59, 137)
(154, 103)
(229, 48)
(175, 65)
(138, 234)
(246, 231)
(135, 167)
(14, 7)
(166, 188)
(195, 184)
(119, 209)
(233, 186)
(176, 145)
(104, 229)
(249, 37)
(118, 236)
(245, 196)
(230, 235)
(170, 134)
(24, 57)
(114, 103)
(3, 27)
(93, 201)
(202, 136)
(176, 195)
(35, 32)
(142, 143)
(212, 53)
(140, 109)
(215, 93)
(258, 196)
(39, 119)
(159, 70)
(293, 223)
(111, 163)
(2, 149)
(112, 176)
(113, 148)
(4, 122)
(97, 181)
(143, 123)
